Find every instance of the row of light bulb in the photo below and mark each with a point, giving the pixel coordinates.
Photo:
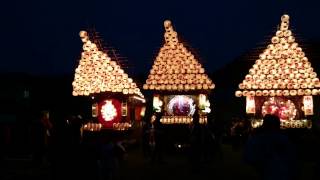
(286, 124)
(92, 126)
(175, 68)
(295, 124)
(179, 87)
(275, 74)
(175, 54)
(181, 120)
(98, 126)
(97, 73)
(281, 84)
(121, 126)
(299, 92)
(182, 77)
(178, 81)
(277, 68)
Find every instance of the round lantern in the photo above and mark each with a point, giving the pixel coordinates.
(285, 18)
(279, 33)
(252, 93)
(241, 86)
(258, 93)
(238, 93)
(307, 92)
(286, 92)
(265, 93)
(287, 33)
(245, 93)
(83, 34)
(314, 91)
(279, 92)
(293, 92)
(275, 40)
(272, 93)
(300, 92)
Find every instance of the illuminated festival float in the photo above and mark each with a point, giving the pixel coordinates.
(116, 100)
(178, 82)
(281, 82)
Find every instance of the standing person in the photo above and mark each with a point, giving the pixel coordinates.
(316, 149)
(208, 144)
(60, 149)
(270, 151)
(74, 123)
(42, 133)
(145, 138)
(107, 159)
(151, 139)
(237, 131)
(72, 146)
(195, 140)
(158, 138)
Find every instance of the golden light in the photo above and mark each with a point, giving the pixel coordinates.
(175, 68)
(281, 70)
(281, 67)
(97, 73)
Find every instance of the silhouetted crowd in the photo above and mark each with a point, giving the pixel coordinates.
(70, 152)
(60, 143)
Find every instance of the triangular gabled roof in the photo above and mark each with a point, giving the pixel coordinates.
(175, 68)
(98, 73)
(281, 70)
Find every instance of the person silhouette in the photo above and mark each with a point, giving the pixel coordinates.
(158, 138)
(195, 140)
(270, 151)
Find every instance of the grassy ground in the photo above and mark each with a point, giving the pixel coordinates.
(175, 166)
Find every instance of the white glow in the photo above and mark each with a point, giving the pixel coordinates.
(108, 111)
(157, 104)
(250, 105)
(181, 99)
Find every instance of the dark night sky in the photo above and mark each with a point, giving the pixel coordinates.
(41, 37)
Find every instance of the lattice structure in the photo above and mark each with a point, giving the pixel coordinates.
(281, 70)
(97, 72)
(176, 68)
